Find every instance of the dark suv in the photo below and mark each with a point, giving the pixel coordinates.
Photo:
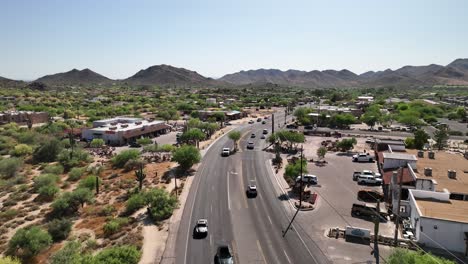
(224, 255)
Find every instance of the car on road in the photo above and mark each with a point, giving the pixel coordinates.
(265, 131)
(370, 140)
(363, 157)
(253, 135)
(224, 255)
(263, 122)
(369, 179)
(225, 152)
(252, 190)
(201, 228)
(250, 145)
(307, 178)
(263, 137)
(259, 119)
(251, 122)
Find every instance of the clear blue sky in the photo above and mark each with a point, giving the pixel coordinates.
(213, 37)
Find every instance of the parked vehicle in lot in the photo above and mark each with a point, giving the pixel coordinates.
(259, 119)
(363, 157)
(368, 210)
(250, 145)
(134, 145)
(371, 173)
(265, 131)
(355, 175)
(224, 255)
(201, 228)
(368, 195)
(251, 122)
(263, 122)
(291, 126)
(368, 179)
(308, 178)
(225, 152)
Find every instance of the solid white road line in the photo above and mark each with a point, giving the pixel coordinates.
(261, 251)
(229, 199)
(287, 257)
(269, 219)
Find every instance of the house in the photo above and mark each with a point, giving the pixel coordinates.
(123, 130)
(390, 144)
(392, 160)
(211, 101)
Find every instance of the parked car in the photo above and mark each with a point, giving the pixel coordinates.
(201, 228)
(368, 210)
(228, 124)
(224, 255)
(263, 122)
(363, 157)
(259, 119)
(371, 173)
(291, 126)
(134, 145)
(250, 145)
(251, 122)
(310, 179)
(370, 140)
(355, 175)
(225, 152)
(368, 179)
(372, 196)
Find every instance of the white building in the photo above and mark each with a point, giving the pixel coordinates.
(211, 100)
(122, 130)
(393, 160)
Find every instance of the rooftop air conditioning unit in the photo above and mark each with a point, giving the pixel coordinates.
(452, 174)
(420, 154)
(431, 154)
(427, 171)
(113, 128)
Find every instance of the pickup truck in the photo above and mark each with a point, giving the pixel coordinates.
(370, 180)
(356, 174)
(363, 157)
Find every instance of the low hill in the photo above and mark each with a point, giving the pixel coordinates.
(75, 77)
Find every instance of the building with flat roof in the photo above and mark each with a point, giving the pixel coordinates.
(123, 130)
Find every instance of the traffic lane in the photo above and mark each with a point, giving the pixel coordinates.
(196, 205)
(288, 249)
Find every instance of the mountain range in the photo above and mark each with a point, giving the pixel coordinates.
(455, 73)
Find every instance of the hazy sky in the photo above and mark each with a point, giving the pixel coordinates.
(117, 38)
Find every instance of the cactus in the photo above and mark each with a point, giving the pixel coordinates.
(97, 184)
(140, 176)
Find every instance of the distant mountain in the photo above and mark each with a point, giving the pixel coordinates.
(75, 77)
(8, 83)
(456, 73)
(168, 75)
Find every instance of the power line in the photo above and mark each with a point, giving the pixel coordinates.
(442, 247)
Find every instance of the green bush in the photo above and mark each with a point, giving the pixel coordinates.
(21, 150)
(28, 242)
(124, 156)
(9, 260)
(144, 141)
(77, 158)
(47, 151)
(54, 169)
(89, 182)
(69, 254)
(69, 202)
(48, 192)
(76, 173)
(108, 210)
(293, 170)
(404, 256)
(44, 180)
(97, 143)
(134, 203)
(115, 225)
(8, 215)
(59, 229)
(409, 143)
(161, 204)
(9, 167)
(118, 255)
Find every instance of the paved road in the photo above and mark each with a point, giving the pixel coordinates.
(253, 227)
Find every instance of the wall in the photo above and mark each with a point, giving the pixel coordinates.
(396, 163)
(397, 147)
(448, 234)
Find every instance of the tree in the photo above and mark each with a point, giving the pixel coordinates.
(9, 167)
(461, 113)
(293, 170)
(186, 156)
(346, 144)
(97, 143)
(441, 136)
(70, 254)
(342, 120)
(59, 229)
(420, 138)
(160, 204)
(193, 135)
(301, 115)
(28, 242)
(321, 152)
(234, 136)
(124, 156)
(47, 151)
(404, 256)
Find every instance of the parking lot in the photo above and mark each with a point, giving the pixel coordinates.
(337, 192)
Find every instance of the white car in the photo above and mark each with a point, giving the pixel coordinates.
(371, 173)
(226, 152)
(250, 145)
(368, 179)
(307, 178)
(363, 157)
(252, 189)
(202, 227)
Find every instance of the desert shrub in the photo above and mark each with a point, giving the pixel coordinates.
(97, 143)
(28, 242)
(54, 169)
(108, 210)
(21, 150)
(77, 158)
(75, 173)
(118, 255)
(47, 151)
(114, 225)
(70, 254)
(89, 182)
(144, 141)
(59, 229)
(134, 203)
(124, 156)
(69, 202)
(132, 164)
(28, 138)
(48, 192)
(9, 260)
(161, 204)
(9, 167)
(44, 180)
(403, 256)
(8, 215)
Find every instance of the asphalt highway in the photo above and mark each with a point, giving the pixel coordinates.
(253, 227)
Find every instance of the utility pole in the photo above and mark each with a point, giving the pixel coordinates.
(397, 217)
(272, 123)
(300, 201)
(376, 234)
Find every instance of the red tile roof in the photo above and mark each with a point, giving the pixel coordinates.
(387, 176)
